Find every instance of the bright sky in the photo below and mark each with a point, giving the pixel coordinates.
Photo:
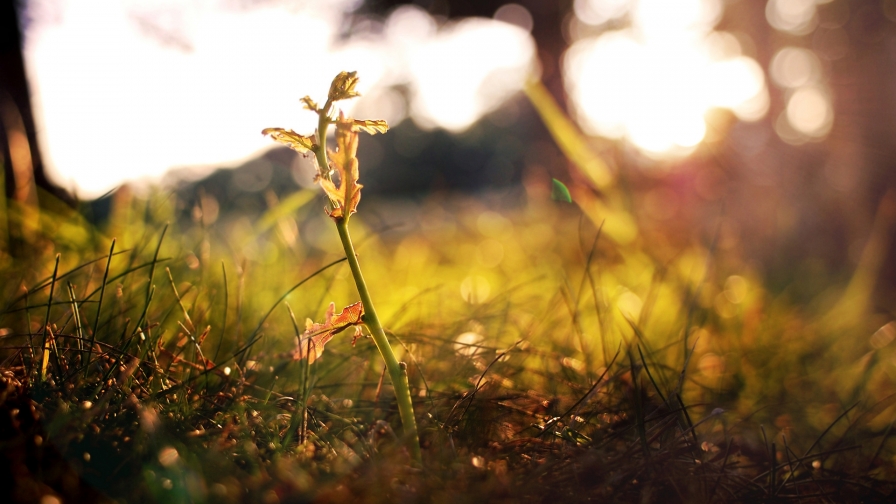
(126, 90)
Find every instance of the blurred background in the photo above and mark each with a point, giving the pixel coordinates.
(764, 127)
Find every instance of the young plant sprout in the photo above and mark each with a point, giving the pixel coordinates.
(344, 195)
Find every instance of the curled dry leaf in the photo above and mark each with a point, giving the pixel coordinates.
(347, 195)
(317, 335)
(290, 138)
(343, 87)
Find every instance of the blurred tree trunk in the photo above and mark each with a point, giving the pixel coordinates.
(21, 159)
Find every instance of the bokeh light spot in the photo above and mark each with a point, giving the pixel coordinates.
(475, 289)
(516, 15)
(792, 67)
(466, 344)
(809, 111)
(793, 16)
(630, 305)
(735, 289)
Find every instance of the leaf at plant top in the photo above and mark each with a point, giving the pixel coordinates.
(290, 138)
(317, 335)
(347, 195)
(559, 192)
(343, 87)
(372, 126)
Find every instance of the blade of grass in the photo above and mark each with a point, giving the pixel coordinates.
(639, 406)
(567, 136)
(303, 399)
(46, 281)
(45, 355)
(180, 301)
(224, 317)
(76, 313)
(649, 375)
(99, 309)
(155, 259)
(687, 418)
(880, 445)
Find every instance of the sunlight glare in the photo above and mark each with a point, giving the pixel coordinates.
(654, 82)
(466, 70)
(671, 19)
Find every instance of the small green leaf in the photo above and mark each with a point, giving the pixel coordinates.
(559, 192)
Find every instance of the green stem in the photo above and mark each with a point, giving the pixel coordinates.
(398, 371)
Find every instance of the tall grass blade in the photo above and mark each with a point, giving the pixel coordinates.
(45, 355)
(99, 310)
(567, 136)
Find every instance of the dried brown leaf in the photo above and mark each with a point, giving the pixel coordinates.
(317, 335)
